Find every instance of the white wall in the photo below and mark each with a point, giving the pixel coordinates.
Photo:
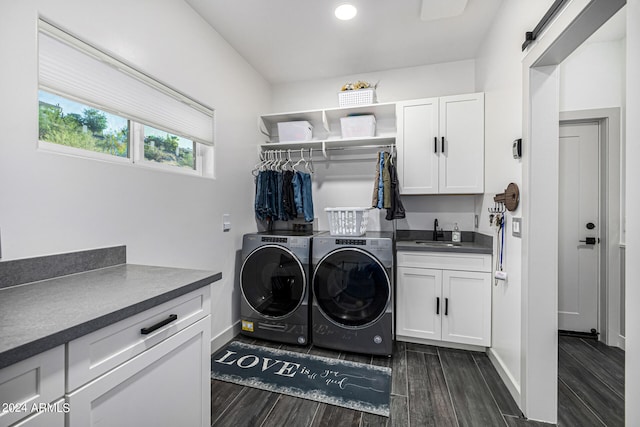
(449, 78)
(52, 203)
(593, 76)
(632, 367)
(499, 75)
(350, 183)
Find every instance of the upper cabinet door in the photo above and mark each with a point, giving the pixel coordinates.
(461, 157)
(418, 146)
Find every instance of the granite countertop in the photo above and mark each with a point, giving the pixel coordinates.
(421, 240)
(38, 316)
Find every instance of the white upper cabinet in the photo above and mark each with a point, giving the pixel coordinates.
(440, 144)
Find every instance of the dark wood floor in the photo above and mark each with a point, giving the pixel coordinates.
(434, 386)
(590, 383)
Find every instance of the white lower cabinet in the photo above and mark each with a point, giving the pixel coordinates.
(31, 391)
(450, 305)
(152, 369)
(167, 385)
(53, 416)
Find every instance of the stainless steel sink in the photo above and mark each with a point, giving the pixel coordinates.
(437, 243)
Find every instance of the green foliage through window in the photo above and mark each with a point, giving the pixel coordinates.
(72, 124)
(163, 147)
(65, 122)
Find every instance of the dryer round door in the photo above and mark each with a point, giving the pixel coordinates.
(273, 281)
(351, 287)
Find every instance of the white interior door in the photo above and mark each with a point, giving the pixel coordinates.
(578, 227)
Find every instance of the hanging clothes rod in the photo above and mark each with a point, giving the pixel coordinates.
(360, 147)
(324, 149)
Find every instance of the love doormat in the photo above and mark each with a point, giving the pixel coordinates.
(352, 385)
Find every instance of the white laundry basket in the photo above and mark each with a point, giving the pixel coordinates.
(350, 98)
(347, 221)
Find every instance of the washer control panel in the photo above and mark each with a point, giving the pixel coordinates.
(269, 239)
(351, 242)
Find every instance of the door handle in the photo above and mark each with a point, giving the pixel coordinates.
(446, 306)
(437, 305)
(590, 241)
(443, 145)
(435, 144)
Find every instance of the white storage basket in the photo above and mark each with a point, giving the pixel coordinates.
(349, 98)
(347, 221)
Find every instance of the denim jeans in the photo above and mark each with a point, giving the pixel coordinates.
(297, 192)
(307, 198)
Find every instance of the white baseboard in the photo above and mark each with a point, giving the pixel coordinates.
(224, 337)
(446, 344)
(622, 342)
(506, 377)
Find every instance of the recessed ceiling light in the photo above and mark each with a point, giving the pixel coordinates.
(346, 12)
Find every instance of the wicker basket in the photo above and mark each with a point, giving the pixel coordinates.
(347, 221)
(350, 98)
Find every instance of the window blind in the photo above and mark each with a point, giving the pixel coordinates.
(72, 68)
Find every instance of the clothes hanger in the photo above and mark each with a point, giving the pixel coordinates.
(256, 168)
(309, 164)
(285, 165)
(301, 159)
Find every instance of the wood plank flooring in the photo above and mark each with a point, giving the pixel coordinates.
(434, 386)
(590, 383)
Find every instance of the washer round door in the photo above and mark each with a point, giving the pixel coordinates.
(273, 281)
(351, 287)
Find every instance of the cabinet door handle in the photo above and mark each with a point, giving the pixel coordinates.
(171, 318)
(435, 144)
(446, 306)
(437, 305)
(443, 145)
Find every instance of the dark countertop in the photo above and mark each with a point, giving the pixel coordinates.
(420, 240)
(38, 316)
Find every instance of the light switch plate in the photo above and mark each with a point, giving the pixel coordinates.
(516, 227)
(226, 222)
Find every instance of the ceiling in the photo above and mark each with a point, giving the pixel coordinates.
(298, 40)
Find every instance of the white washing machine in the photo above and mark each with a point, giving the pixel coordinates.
(353, 291)
(274, 282)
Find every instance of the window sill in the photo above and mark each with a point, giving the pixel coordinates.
(49, 147)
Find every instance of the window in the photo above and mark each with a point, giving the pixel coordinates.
(169, 149)
(92, 105)
(66, 122)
